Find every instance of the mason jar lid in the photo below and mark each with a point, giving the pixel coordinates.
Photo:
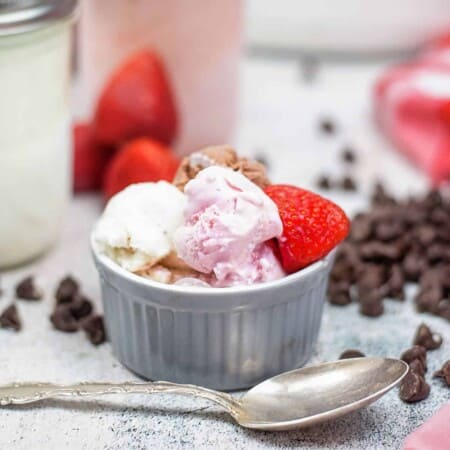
(20, 16)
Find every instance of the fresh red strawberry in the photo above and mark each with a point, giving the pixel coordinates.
(312, 225)
(137, 102)
(139, 160)
(89, 159)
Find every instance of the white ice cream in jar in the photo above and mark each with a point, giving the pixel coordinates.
(35, 48)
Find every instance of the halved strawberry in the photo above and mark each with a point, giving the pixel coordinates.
(137, 101)
(312, 225)
(138, 161)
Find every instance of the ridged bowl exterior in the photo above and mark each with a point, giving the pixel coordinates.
(222, 338)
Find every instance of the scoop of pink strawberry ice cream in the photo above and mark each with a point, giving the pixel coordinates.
(228, 221)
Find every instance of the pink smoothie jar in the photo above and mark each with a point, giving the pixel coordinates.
(200, 42)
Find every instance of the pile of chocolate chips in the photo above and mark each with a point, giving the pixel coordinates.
(73, 311)
(414, 387)
(393, 243)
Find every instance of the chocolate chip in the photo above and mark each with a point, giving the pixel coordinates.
(80, 307)
(349, 252)
(414, 214)
(323, 182)
(443, 233)
(327, 126)
(380, 196)
(437, 253)
(351, 353)
(339, 286)
(384, 212)
(439, 217)
(378, 251)
(371, 276)
(413, 266)
(63, 319)
(387, 231)
(414, 388)
(444, 273)
(348, 184)
(339, 293)
(417, 367)
(9, 318)
(66, 290)
(443, 309)
(433, 199)
(428, 299)
(425, 234)
(27, 290)
(348, 155)
(425, 338)
(415, 352)
(371, 304)
(444, 373)
(395, 283)
(342, 270)
(432, 277)
(95, 329)
(340, 298)
(361, 228)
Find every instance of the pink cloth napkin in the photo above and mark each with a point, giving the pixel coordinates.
(434, 434)
(412, 108)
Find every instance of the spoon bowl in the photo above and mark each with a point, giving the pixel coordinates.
(294, 399)
(316, 394)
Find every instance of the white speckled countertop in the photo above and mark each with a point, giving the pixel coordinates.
(278, 116)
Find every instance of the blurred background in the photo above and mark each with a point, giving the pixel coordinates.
(331, 97)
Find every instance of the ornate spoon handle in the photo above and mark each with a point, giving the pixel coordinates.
(21, 393)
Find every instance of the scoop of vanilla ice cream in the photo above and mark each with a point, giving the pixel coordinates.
(136, 228)
(228, 220)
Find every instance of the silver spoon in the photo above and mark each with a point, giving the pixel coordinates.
(294, 399)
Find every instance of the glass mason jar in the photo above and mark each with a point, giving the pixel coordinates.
(35, 138)
(199, 41)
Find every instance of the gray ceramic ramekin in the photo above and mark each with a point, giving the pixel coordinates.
(222, 338)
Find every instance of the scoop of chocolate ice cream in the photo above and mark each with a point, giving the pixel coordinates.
(254, 171)
(219, 155)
